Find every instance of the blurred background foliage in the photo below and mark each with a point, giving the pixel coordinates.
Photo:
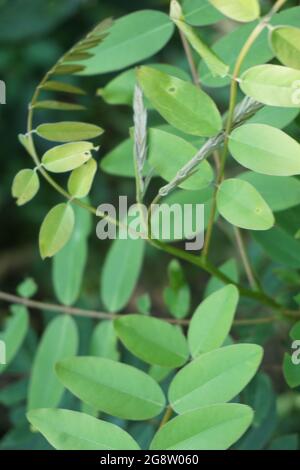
(33, 35)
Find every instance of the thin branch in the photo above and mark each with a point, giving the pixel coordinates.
(190, 59)
(245, 258)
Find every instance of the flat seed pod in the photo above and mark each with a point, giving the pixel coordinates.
(242, 205)
(56, 229)
(265, 149)
(239, 10)
(81, 179)
(67, 157)
(25, 186)
(68, 131)
(180, 103)
(274, 85)
(285, 41)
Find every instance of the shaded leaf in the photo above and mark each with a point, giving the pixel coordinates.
(104, 341)
(63, 87)
(58, 105)
(14, 333)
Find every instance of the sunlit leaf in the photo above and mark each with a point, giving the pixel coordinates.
(25, 186)
(81, 179)
(68, 131)
(239, 10)
(14, 333)
(285, 41)
(67, 157)
(56, 229)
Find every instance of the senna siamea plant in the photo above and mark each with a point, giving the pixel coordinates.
(187, 379)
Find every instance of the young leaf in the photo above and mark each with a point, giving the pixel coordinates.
(109, 386)
(212, 320)
(131, 39)
(152, 340)
(265, 149)
(121, 88)
(14, 333)
(66, 69)
(169, 153)
(104, 341)
(81, 179)
(180, 103)
(117, 282)
(25, 186)
(71, 430)
(60, 340)
(68, 131)
(69, 264)
(177, 295)
(238, 10)
(213, 62)
(214, 427)
(28, 288)
(63, 87)
(56, 230)
(273, 85)
(279, 193)
(66, 157)
(285, 41)
(58, 105)
(241, 205)
(215, 377)
(230, 269)
(200, 14)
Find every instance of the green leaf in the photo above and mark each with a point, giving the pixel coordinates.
(177, 295)
(280, 246)
(131, 39)
(273, 85)
(238, 10)
(67, 69)
(214, 427)
(274, 116)
(60, 340)
(180, 103)
(213, 62)
(69, 264)
(115, 388)
(285, 42)
(104, 341)
(58, 105)
(265, 149)
(152, 340)
(120, 89)
(119, 161)
(279, 193)
(212, 320)
(68, 131)
(291, 371)
(241, 205)
(81, 179)
(66, 157)
(215, 377)
(56, 230)
(63, 87)
(230, 45)
(200, 14)
(169, 153)
(230, 269)
(117, 282)
(25, 186)
(14, 333)
(71, 430)
(28, 288)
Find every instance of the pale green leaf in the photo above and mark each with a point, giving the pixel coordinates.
(168, 154)
(81, 179)
(56, 229)
(67, 157)
(68, 131)
(63, 87)
(71, 430)
(215, 377)
(117, 281)
(114, 388)
(241, 205)
(265, 149)
(58, 105)
(285, 41)
(273, 85)
(131, 39)
(279, 193)
(212, 320)
(238, 10)
(214, 427)
(60, 340)
(25, 186)
(104, 341)
(14, 333)
(152, 340)
(180, 103)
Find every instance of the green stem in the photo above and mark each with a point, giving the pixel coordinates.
(166, 417)
(190, 59)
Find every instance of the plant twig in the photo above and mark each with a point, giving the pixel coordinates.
(190, 59)
(166, 417)
(245, 258)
